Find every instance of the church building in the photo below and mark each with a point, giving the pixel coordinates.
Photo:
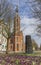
(16, 40)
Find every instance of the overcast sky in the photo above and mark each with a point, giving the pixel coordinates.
(27, 20)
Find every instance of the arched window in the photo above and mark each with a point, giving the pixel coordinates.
(17, 47)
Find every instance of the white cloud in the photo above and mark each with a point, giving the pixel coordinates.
(29, 24)
(29, 20)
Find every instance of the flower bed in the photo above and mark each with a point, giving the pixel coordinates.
(20, 60)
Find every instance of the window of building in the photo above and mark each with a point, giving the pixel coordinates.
(11, 41)
(16, 38)
(11, 46)
(5, 47)
(17, 47)
(2, 46)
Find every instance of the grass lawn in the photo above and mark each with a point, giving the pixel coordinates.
(35, 53)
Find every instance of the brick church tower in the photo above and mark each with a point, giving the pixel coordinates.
(18, 35)
(16, 21)
(16, 42)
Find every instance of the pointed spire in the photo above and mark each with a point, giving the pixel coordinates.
(16, 9)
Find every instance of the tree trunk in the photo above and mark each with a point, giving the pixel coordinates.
(7, 46)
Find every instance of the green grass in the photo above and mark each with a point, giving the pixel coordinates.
(40, 63)
(36, 53)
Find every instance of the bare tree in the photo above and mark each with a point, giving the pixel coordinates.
(5, 15)
(6, 9)
(37, 14)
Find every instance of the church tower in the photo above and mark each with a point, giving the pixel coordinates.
(16, 43)
(16, 21)
(18, 35)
